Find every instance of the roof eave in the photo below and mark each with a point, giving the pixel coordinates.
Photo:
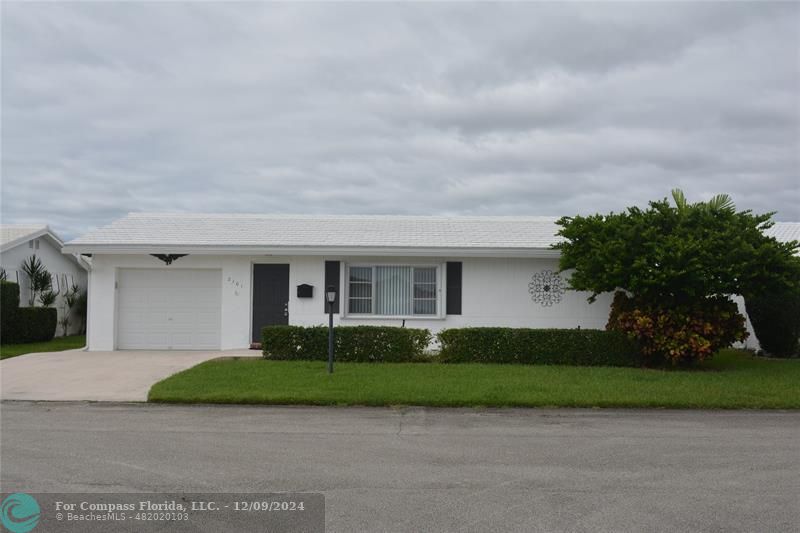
(470, 251)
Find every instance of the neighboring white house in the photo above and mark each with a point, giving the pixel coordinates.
(199, 281)
(20, 241)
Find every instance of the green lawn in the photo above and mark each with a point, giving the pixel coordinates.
(732, 380)
(56, 345)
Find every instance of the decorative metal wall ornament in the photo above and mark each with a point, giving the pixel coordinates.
(546, 288)
(168, 258)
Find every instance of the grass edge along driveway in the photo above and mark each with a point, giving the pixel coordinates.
(57, 344)
(732, 380)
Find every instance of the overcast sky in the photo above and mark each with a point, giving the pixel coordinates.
(524, 109)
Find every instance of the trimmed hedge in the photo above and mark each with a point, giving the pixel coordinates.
(352, 343)
(9, 303)
(23, 324)
(583, 347)
(776, 322)
(36, 324)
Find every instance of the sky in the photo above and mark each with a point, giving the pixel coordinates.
(418, 109)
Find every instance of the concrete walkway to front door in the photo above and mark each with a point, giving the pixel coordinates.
(124, 376)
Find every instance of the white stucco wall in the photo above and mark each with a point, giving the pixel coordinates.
(58, 264)
(751, 342)
(494, 293)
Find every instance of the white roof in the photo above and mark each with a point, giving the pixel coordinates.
(14, 232)
(173, 233)
(12, 235)
(354, 234)
(785, 231)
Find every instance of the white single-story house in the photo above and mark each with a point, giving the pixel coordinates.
(212, 281)
(20, 241)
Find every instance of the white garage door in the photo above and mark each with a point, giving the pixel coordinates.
(169, 309)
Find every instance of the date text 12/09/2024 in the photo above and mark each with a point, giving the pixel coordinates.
(182, 507)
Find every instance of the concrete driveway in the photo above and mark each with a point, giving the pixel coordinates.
(95, 376)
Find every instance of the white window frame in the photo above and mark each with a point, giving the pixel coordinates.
(440, 288)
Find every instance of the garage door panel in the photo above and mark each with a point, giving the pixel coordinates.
(194, 319)
(181, 316)
(207, 300)
(164, 298)
(137, 299)
(169, 309)
(142, 321)
(207, 319)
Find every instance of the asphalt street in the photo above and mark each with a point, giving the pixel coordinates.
(416, 469)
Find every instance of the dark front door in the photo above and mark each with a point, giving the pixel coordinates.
(270, 297)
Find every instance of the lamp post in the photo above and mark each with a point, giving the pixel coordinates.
(330, 296)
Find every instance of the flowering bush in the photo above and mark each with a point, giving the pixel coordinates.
(678, 333)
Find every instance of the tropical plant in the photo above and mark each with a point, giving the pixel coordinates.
(47, 297)
(678, 334)
(39, 279)
(64, 323)
(80, 308)
(675, 254)
(676, 264)
(72, 298)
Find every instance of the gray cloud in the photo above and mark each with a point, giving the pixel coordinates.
(541, 109)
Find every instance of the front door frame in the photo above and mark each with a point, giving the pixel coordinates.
(270, 261)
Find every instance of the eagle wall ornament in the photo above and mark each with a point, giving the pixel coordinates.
(546, 288)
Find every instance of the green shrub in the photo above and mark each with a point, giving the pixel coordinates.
(294, 342)
(23, 324)
(9, 303)
(776, 322)
(9, 296)
(678, 333)
(585, 347)
(36, 324)
(351, 343)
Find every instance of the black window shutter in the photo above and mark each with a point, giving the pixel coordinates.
(454, 287)
(332, 269)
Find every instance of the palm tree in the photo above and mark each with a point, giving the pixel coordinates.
(720, 202)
